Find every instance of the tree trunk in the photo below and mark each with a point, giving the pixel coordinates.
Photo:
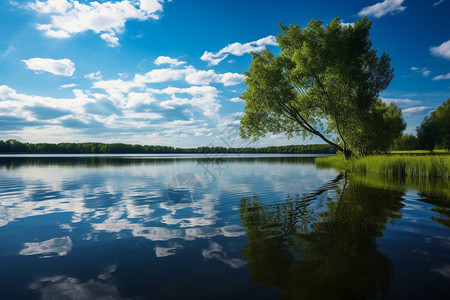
(347, 153)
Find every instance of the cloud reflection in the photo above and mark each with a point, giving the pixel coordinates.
(215, 251)
(57, 246)
(63, 287)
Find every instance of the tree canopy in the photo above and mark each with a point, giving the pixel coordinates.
(442, 117)
(326, 83)
(435, 128)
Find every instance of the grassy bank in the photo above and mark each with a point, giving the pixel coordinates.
(392, 165)
(438, 151)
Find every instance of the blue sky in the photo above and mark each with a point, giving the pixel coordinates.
(170, 72)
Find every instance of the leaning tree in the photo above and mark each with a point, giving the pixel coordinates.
(325, 82)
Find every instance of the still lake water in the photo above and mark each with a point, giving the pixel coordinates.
(240, 227)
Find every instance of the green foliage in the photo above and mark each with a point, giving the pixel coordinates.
(435, 129)
(380, 127)
(428, 133)
(442, 117)
(325, 82)
(13, 146)
(394, 165)
(406, 142)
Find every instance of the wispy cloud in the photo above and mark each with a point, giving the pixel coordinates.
(402, 102)
(5, 53)
(383, 8)
(438, 2)
(442, 50)
(70, 17)
(66, 86)
(424, 71)
(416, 111)
(238, 49)
(442, 77)
(63, 67)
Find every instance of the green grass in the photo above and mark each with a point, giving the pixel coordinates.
(432, 166)
(417, 151)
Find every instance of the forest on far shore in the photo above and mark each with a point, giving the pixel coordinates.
(14, 146)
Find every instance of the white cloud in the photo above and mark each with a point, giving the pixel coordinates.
(443, 50)
(236, 99)
(111, 39)
(383, 8)
(94, 75)
(231, 78)
(347, 24)
(70, 85)
(168, 60)
(238, 49)
(135, 99)
(189, 74)
(442, 77)
(424, 71)
(438, 2)
(203, 98)
(416, 111)
(70, 17)
(200, 77)
(64, 67)
(402, 102)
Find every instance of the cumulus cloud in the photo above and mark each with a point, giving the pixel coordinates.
(168, 60)
(200, 77)
(190, 74)
(70, 17)
(383, 8)
(238, 49)
(416, 111)
(442, 50)
(442, 77)
(135, 107)
(63, 67)
(424, 71)
(19, 104)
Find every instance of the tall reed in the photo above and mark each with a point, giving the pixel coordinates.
(392, 165)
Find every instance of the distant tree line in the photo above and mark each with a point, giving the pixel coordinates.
(433, 132)
(14, 146)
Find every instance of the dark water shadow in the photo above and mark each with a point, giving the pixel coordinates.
(324, 251)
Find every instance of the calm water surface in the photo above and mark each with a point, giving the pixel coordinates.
(241, 227)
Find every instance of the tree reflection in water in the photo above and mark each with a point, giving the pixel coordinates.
(322, 245)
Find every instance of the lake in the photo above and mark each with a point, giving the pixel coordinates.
(217, 227)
